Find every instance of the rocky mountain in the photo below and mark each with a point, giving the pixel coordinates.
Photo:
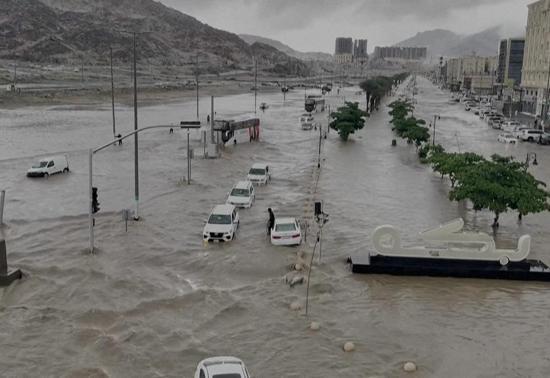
(319, 56)
(442, 42)
(58, 31)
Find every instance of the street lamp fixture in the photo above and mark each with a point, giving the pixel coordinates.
(531, 157)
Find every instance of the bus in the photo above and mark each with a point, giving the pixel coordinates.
(242, 129)
(315, 103)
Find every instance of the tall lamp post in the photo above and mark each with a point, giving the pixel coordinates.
(436, 117)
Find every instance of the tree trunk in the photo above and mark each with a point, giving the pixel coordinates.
(520, 217)
(367, 105)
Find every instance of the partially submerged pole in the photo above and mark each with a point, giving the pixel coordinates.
(2, 197)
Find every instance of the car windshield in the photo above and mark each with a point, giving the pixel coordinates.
(283, 227)
(41, 164)
(228, 375)
(257, 171)
(240, 192)
(219, 219)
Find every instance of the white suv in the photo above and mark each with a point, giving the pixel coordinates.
(221, 367)
(531, 135)
(222, 224)
(259, 174)
(242, 195)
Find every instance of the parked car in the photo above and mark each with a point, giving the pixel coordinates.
(544, 139)
(531, 135)
(485, 113)
(507, 138)
(221, 367)
(222, 224)
(259, 174)
(242, 195)
(307, 121)
(518, 131)
(49, 166)
(286, 231)
(494, 122)
(509, 126)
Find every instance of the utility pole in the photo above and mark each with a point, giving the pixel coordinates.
(255, 84)
(547, 95)
(113, 95)
(320, 139)
(197, 82)
(136, 156)
(435, 120)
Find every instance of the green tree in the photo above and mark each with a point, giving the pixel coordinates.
(378, 87)
(500, 185)
(347, 119)
(400, 109)
(452, 164)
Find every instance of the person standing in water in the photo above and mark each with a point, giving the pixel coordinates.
(271, 222)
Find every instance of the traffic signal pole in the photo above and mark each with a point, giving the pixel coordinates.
(92, 151)
(90, 210)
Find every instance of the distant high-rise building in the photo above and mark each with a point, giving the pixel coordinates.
(474, 73)
(510, 61)
(343, 46)
(360, 48)
(536, 59)
(343, 52)
(400, 53)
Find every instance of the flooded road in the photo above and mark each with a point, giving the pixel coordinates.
(154, 301)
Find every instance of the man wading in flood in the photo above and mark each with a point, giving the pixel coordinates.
(271, 222)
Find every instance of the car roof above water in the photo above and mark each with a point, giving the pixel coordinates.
(243, 185)
(223, 209)
(259, 166)
(285, 220)
(223, 365)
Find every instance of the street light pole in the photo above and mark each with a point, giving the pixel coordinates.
(136, 150)
(255, 84)
(436, 117)
(113, 95)
(545, 117)
(197, 82)
(320, 139)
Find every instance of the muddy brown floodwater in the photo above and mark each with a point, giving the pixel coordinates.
(154, 301)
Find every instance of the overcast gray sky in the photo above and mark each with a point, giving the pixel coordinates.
(312, 25)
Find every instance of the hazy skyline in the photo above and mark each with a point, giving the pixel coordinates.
(312, 25)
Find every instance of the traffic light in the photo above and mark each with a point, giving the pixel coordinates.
(95, 203)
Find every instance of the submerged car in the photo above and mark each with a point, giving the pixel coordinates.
(507, 138)
(222, 224)
(242, 195)
(259, 174)
(221, 367)
(286, 231)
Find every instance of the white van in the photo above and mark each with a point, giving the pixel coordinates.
(49, 166)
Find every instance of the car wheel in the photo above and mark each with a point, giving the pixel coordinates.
(46, 175)
(530, 139)
(66, 170)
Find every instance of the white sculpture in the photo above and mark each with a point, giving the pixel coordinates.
(447, 241)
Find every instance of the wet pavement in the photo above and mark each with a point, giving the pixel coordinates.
(155, 300)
